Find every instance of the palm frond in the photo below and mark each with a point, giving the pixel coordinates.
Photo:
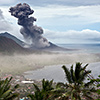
(73, 78)
(67, 73)
(84, 75)
(36, 87)
(6, 90)
(84, 68)
(78, 70)
(31, 96)
(12, 96)
(60, 84)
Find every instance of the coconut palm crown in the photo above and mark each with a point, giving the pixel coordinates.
(42, 93)
(75, 88)
(78, 75)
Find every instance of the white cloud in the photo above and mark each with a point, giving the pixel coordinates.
(4, 25)
(72, 36)
(8, 23)
(54, 15)
(7, 2)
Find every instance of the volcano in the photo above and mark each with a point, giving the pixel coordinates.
(9, 46)
(11, 43)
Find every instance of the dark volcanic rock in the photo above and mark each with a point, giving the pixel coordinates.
(6, 34)
(10, 46)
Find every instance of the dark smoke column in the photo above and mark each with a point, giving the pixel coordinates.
(31, 32)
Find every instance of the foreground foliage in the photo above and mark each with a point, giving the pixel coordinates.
(44, 93)
(75, 88)
(97, 84)
(6, 90)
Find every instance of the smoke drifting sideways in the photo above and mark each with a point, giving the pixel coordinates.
(31, 33)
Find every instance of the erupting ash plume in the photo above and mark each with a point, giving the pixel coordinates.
(31, 32)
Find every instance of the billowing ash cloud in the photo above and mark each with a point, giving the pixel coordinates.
(31, 32)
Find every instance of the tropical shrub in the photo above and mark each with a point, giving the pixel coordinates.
(44, 92)
(7, 92)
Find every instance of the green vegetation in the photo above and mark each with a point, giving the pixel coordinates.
(44, 93)
(6, 91)
(75, 88)
(97, 84)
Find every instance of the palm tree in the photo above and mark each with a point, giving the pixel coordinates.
(6, 90)
(75, 88)
(44, 93)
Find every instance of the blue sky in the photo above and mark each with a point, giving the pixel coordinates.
(63, 21)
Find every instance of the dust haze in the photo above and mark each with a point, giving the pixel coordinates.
(18, 64)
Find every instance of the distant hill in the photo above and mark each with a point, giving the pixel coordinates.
(10, 46)
(6, 34)
(54, 47)
(20, 43)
